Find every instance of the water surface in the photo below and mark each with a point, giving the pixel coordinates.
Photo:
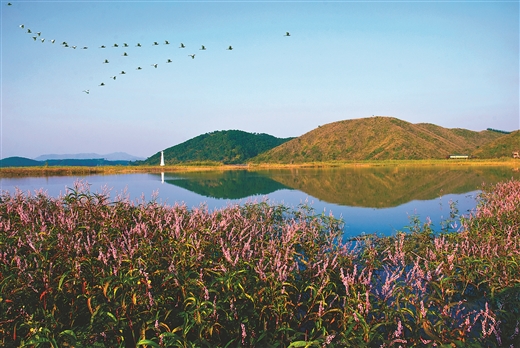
(370, 200)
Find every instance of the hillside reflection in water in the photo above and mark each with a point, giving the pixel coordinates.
(369, 200)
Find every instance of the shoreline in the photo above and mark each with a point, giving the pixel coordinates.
(108, 170)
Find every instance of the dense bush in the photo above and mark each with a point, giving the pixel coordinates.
(82, 270)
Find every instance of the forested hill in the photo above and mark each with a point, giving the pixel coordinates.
(378, 138)
(91, 162)
(501, 147)
(229, 147)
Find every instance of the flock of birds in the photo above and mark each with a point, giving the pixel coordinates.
(36, 36)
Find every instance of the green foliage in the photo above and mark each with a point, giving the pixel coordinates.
(83, 270)
(228, 147)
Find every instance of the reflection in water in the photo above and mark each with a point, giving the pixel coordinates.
(372, 187)
(369, 200)
(234, 184)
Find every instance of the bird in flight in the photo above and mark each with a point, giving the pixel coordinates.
(229, 48)
(29, 31)
(42, 40)
(203, 48)
(102, 84)
(87, 91)
(122, 72)
(115, 45)
(138, 45)
(106, 61)
(22, 26)
(113, 77)
(192, 56)
(154, 65)
(169, 61)
(102, 46)
(166, 42)
(125, 45)
(39, 33)
(53, 41)
(155, 43)
(182, 45)
(287, 34)
(9, 4)
(125, 54)
(85, 47)
(34, 38)
(139, 68)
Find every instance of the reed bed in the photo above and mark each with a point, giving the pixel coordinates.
(85, 270)
(216, 166)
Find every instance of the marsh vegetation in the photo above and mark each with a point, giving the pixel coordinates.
(87, 270)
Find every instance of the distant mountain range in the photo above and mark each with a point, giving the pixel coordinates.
(27, 162)
(372, 138)
(115, 156)
(78, 160)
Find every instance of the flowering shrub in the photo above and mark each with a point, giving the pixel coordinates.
(82, 270)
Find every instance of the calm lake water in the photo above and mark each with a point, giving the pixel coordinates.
(369, 200)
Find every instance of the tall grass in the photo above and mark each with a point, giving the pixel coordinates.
(86, 270)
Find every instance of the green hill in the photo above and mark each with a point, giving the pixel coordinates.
(19, 162)
(377, 138)
(229, 147)
(26, 162)
(501, 147)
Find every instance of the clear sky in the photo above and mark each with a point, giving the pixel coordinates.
(451, 63)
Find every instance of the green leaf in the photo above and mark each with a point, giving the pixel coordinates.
(69, 333)
(147, 342)
(62, 278)
(112, 316)
(304, 344)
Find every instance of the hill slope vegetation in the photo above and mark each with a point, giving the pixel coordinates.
(229, 147)
(26, 162)
(377, 138)
(501, 147)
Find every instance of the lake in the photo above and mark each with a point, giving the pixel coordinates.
(369, 199)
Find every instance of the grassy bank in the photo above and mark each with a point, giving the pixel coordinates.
(389, 163)
(83, 270)
(107, 170)
(63, 171)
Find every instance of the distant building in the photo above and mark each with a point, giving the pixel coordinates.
(458, 157)
(162, 158)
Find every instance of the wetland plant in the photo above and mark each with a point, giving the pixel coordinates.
(84, 270)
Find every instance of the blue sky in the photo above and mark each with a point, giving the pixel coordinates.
(451, 63)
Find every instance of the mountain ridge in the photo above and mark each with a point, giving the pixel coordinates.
(377, 138)
(114, 156)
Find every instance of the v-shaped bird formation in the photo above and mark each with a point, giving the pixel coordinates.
(37, 37)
